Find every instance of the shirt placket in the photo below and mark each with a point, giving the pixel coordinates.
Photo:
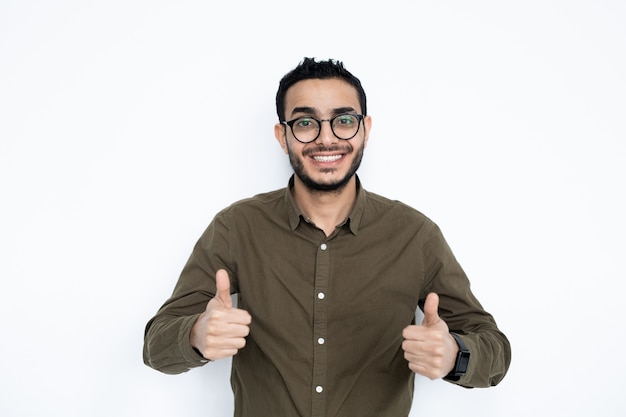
(320, 327)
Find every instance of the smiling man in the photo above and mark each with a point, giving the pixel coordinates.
(325, 121)
(328, 278)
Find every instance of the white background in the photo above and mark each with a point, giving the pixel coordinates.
(126, 125)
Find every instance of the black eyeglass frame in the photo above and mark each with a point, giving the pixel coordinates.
(330, 121)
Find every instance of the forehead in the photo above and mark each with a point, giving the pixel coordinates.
(324, 95)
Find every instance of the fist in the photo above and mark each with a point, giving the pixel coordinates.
(220, 331)
(429, 348)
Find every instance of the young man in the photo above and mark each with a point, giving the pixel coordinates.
(328, 278)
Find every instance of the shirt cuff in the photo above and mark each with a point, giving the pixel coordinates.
(191, 356)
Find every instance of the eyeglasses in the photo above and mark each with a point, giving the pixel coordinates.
(306, 129)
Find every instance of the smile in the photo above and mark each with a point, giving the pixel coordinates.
(327, 158)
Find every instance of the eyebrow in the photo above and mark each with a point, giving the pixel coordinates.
(314, 111)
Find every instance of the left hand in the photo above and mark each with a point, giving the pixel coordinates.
(429, 348)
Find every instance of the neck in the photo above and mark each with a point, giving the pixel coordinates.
(326, 209)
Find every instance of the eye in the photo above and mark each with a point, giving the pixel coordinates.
(305, 123)
(345, 120)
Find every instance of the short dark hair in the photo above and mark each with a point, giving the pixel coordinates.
(309, 68)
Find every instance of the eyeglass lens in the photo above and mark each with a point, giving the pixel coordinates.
(307, 129)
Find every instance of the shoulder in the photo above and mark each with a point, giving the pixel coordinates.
(269, 202)
(379, 205)
(394, 217)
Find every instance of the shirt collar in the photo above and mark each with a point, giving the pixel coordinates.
(354, 218)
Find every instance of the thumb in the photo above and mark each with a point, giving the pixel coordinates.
(222, 282)
(431, 307)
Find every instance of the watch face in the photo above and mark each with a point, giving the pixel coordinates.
(462, 362)
(462, 358)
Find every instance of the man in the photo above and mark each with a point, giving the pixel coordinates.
(328, 278)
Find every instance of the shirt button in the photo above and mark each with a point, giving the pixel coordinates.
(323, 246)
(321, 340)
(319, 389)
(321, 295)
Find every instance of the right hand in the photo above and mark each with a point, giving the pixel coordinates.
(220, 330)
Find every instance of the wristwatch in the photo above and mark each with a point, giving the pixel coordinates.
(462, 360)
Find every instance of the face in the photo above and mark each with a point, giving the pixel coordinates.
(328, 163)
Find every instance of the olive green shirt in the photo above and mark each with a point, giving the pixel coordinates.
(327, 312)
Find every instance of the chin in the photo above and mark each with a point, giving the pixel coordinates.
(333, 185)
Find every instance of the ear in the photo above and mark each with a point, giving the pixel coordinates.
(281, 136)
(367, 124)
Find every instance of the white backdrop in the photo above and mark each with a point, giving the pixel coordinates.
(126, 125)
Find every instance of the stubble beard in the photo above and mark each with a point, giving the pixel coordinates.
(329, 187)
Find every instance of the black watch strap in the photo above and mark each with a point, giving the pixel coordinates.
(462, 360)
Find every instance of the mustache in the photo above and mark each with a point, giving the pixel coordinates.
(347, 148)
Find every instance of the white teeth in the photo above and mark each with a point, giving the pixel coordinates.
(324, 158)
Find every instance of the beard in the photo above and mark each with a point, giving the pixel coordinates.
(334, 186)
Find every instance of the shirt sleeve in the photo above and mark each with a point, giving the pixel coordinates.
(490, 350)
(167, 347)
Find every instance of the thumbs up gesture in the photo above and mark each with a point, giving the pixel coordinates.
(429, 348)
(220, 330)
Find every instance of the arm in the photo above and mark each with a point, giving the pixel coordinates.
(460, 313)
(194, 309)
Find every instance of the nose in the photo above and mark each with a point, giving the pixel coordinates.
(326, 133)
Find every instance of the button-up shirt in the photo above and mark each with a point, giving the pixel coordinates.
(327, 311)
